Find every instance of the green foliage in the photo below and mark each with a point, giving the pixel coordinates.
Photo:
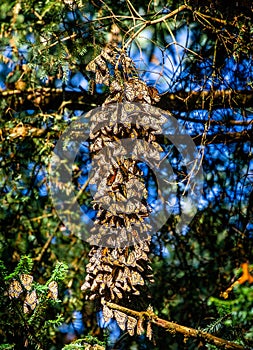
(24, 266)
(236, 315)
(32, 327)
(87, 343)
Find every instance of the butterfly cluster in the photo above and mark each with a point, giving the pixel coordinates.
(121, 195)
(99, 65)
(120, 202)
(115, 69)
(23, 287)
(116, 274)
(119, 267)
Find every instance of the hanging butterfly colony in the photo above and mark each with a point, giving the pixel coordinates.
(119, 268)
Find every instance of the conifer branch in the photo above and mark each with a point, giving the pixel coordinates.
(50, 98)
(173, 327)
(23, 131)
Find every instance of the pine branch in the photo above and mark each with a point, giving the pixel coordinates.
(23, 131)
(51, 98)
(174, 327)
(45, 98)
(188, 101)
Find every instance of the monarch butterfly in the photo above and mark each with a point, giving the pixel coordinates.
(136, 278)
(127, 223)
(140, 254)
(92, 297)
(117, 292)
(144, 245)
(115, 86)
(85, 286)
(15, 289)
(149, 331)
(135, 291)
(131, 323)
(100, 278)
(109, 54)
(107, 268)
(130, 208)
(114, 254)
(110, 241)
(94, 286)
(123, 237)
(125, 286)
(120, 276)
(121, 319)
(111, 177)
(26, 280)
(153, 92)
(122, 260)
(129, 107)
(131, 260)
(102, 77)
(109, 281)
(97, 63)
(53, 290)
(30, 302)
(107, 313)
(101, 288)
(119, 197)
(91, 66)
(126, 273)
(140, 328)
(139, 267)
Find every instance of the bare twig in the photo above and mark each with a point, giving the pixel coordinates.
(207, 17)
(155, 21)
(46, 245)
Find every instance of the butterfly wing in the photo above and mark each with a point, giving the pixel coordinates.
(140, 328)
(53, 290)
(149, 331)
(131, 323)
(121, 319)
(30, 302)
(15, 289)
(26, 281)
(107, 313)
